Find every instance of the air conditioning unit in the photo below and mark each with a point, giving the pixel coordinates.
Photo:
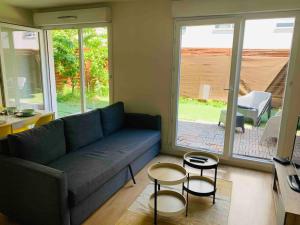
(69, 17)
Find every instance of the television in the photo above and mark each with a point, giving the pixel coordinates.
(294, 179)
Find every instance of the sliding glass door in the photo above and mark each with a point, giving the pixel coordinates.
(264, 65)
(96, 62)
(21, 67)
(229, 84)
(67, 72)
(205, 64)
(81, 68)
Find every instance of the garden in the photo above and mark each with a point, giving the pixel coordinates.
(193, 110)
(67, 67)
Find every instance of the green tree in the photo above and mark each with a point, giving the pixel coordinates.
(96, 58)
(66, 59)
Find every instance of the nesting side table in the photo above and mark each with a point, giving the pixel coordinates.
(200, 185)
(166, 202)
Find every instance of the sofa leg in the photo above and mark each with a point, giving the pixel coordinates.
(131, 174)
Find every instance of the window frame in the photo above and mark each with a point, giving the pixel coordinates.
(45, 85)
(50, 67)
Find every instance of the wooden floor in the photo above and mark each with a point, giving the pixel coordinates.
(251, 203)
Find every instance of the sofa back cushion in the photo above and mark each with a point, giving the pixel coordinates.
(142, 121)
(42, 145)
(112, 118)
(82, 129)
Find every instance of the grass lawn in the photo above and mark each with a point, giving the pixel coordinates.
(66, 108)
(69, 103)
(194, 110)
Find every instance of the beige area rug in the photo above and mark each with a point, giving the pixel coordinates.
(201, 209)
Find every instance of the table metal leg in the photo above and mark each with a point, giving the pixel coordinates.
(158, 187)
(131, 174)
(215, 185)
(201, 172)
(187, 196)
(183, 183)
(155, 202)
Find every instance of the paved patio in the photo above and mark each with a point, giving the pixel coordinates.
(203, 135)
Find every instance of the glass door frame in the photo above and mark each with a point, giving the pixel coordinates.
(51, 72)
(176, 78)
(236, 60)
(45, 83)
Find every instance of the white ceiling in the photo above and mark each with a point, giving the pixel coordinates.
(39, 4)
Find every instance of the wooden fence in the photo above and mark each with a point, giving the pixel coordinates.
(205, 73)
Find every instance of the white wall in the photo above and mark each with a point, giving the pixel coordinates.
(186, 8)
(291, 101)
(142, 57)
(10, 14)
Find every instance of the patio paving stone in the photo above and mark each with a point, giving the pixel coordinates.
(210, 136)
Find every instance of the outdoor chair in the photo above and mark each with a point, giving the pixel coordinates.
(254, 105)
(272, 128)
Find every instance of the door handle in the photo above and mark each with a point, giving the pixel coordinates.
(227, 89)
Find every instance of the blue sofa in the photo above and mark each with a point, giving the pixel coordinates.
(60, 173)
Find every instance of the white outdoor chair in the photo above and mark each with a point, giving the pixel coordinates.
(254, 105)
(272, 128)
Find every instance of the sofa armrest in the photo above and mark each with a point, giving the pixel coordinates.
(142, 121)
(32, 193)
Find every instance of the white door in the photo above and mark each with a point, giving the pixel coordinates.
(229, 84)
(206, 62)
(24, 80)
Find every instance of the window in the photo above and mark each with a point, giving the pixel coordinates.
(81, 69)
(284, 27)
(223, 28)
(95, 45)
(216, 84)
(21, 68)
(183, 30)
(29, 35)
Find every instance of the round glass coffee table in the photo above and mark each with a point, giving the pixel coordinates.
(166, 202)
(200, 185)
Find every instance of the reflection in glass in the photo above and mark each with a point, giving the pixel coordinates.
(22, 78)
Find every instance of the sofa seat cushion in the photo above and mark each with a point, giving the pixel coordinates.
(42, 144)
(90, 167)
(82, 129)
